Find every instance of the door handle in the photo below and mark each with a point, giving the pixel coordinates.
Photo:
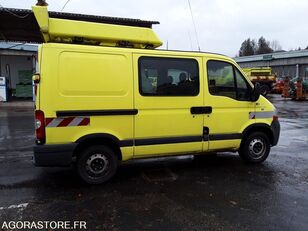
(201, 110)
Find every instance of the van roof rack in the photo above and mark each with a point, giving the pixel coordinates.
(62, 30)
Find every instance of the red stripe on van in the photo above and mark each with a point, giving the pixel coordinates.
(47, 121)
(65, 122)
(84, 122)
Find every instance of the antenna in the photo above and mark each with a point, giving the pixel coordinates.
(193, 20)
(65, 5)
(191, 46)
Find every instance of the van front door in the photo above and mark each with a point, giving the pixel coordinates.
(229, 94)
(166, 90)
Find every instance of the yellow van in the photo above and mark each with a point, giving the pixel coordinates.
(101, 105)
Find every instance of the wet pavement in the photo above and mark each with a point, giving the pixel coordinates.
(209, 193)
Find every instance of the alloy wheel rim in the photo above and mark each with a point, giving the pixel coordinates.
(257, 148)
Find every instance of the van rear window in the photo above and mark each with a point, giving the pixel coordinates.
(168, 76)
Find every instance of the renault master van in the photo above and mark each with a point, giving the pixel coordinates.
(99, 105)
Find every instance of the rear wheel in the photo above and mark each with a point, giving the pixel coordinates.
(97, 164)
(255, 148)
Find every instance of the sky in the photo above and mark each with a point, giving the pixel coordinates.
(221, 25)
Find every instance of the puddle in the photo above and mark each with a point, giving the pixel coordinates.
(159, 175)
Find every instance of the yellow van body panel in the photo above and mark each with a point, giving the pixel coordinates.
(166, 149)
(80, 77)
(265, 111)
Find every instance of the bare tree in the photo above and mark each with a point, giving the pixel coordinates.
(275, 45)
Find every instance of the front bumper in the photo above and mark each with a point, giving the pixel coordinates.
(275, 127)
(53, 155)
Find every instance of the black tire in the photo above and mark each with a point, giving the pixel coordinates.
(97, 164)
(255, 148)
(265, 89)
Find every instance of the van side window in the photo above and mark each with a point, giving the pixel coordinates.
(168, 76)
(221, 79)
(243, 89)
(225, 80)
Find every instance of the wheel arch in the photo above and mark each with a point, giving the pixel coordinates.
(259, 127)
(98, 138)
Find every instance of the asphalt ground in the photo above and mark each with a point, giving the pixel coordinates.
(211, 193)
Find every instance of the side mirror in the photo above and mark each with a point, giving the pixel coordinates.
(256, 92)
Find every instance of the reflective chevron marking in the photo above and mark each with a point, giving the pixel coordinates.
(67, 122)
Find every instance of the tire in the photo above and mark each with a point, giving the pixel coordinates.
(255, 148)
(97, 164)
(265, 89)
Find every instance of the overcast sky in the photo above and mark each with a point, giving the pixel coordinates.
(222, 25)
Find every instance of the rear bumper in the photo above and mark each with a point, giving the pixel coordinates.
(275, 127)
(53, 155)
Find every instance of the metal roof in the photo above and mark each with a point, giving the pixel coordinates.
(275, 55)
(18, 46)
(21, 25)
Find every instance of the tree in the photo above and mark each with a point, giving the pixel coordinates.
(248, 47)
(263, 46)
(275, 45)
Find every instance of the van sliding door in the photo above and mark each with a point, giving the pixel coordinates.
(167, 89)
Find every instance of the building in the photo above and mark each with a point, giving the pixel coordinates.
(17, 64)
(285, 63)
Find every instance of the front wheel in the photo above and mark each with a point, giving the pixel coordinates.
(97, 164)
(255, 148)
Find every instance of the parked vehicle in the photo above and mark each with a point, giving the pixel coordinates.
(262, 76)
(99, 105)
(293, 87)
(278, 86)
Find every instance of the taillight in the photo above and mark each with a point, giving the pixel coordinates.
(40, 127)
